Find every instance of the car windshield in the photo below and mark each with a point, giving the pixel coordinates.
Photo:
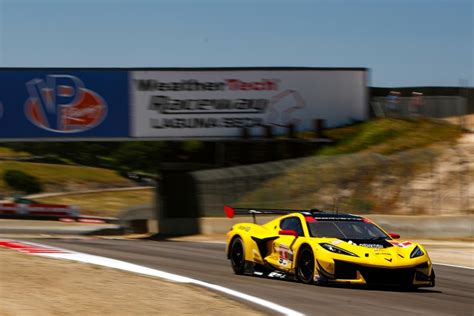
(350, 230)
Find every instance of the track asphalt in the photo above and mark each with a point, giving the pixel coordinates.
(453, 294)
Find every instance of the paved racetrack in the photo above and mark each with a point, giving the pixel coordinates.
(453, 294)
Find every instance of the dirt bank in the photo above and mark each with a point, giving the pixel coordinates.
(31, 285)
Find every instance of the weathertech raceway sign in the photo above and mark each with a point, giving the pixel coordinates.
(219, 103)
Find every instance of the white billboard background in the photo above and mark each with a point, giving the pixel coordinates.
(220, 103)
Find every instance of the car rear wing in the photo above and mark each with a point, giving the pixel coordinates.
(231, 211)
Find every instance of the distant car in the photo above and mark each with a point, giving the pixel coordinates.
(319, 247)
(21, 206)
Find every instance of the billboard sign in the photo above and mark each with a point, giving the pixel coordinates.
(52, 103)
(218, 103)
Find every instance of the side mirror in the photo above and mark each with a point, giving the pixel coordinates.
(394, 236)
(288, 232)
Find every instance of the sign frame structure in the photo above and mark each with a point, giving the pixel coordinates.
(252, 81)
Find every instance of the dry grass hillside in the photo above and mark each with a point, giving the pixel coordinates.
(384, 166)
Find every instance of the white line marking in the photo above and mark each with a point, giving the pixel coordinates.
(122, 265)
(452, 265)
(203, 241)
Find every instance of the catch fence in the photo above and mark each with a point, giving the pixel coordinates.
(422, 181)
(454, 109)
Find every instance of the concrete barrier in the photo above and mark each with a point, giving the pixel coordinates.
(424, 226)
(427, 226)
(410, 226)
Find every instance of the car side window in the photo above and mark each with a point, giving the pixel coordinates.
(292, 223)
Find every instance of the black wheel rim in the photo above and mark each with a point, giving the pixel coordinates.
(237, 255)
(306, 266)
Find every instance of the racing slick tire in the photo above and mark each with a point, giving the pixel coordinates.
(305, 268)
(433, 277)
(237, 257)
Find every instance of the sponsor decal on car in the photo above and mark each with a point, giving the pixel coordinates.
(400, 244)
(373, 246)
(381, 252)
(286, 254)
(277, 274)
(245, 228)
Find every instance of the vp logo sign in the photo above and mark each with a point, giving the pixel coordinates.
(61, 103)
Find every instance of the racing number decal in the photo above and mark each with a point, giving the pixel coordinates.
(286, 255)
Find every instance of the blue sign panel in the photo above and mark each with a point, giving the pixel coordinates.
(63, 103)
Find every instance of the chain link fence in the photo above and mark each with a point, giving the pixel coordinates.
(423, 181)
(454, 109)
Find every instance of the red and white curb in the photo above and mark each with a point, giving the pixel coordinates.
(86, 220)
(30, 248)
(58, 253)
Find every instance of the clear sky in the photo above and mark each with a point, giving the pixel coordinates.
(403, 42)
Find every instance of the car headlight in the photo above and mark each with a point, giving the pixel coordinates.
(417, 252)
(337, 250)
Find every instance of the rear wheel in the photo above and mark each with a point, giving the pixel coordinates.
(237, 258)
(305, 269)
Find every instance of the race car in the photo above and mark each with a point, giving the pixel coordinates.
(322, 247)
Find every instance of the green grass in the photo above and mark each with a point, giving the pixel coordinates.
(65, 178)
(8, 153)
(108, 204)
(388, 136)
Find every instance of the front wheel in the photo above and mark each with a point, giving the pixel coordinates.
(305, 269)
(237, 258)
(432, 283)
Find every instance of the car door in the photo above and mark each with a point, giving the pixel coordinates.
(282, 255)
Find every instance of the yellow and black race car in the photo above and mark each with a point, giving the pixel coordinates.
(319, 247)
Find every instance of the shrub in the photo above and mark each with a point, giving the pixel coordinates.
(22, 181)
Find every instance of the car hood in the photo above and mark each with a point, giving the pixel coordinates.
(385, 253)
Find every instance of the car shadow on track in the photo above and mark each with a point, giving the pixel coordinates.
(360, 287)
(383, 288)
